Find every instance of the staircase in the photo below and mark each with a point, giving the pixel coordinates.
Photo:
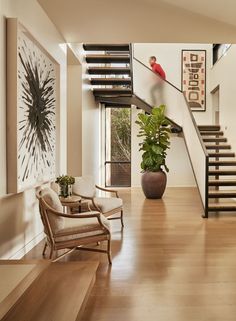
(111, 68)
(221, 184)
(110, 71)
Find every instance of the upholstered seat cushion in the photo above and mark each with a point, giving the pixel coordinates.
(81, 227)
(52, 199)
(107, 204)
(84, 187)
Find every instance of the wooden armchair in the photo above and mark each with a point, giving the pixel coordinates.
(71, 232)
(108, 206)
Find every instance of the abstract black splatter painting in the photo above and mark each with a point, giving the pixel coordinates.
(36, 114)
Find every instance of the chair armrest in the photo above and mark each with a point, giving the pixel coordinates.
(76, 215)
(107, 190)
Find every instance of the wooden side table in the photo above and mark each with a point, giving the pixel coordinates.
(70, 202)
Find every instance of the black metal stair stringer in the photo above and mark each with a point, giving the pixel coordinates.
(136, 101)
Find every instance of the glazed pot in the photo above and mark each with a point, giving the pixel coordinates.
(153, 184)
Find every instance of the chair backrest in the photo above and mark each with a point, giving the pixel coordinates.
(84, 187)
(54, 186)
(48, 201)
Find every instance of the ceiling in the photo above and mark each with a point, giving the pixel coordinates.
(202, 21)
(224, 11)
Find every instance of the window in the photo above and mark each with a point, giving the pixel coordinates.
(118, 146)
(219, 50)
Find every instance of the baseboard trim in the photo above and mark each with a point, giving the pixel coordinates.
(27, 247)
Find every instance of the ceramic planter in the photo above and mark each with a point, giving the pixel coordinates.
(154, 184)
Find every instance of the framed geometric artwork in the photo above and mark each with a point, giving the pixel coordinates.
(194, 78)
(32, 102)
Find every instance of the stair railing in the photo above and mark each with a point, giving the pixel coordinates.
(155, 91)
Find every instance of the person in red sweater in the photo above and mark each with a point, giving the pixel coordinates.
(156, 67)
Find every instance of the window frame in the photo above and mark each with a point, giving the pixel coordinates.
(106, 162)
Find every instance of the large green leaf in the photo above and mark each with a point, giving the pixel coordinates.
(154, 129)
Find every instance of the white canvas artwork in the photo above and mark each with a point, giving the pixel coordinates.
(35, 113)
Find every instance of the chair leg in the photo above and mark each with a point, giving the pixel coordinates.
(109, 251)
(51, 253)
(44, 249)
(121, 218)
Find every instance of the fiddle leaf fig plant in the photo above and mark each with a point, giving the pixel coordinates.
(155, 130)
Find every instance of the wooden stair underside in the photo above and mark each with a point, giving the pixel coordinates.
(106, 47)
(221, 172)
(218, 182)
(111, 91)
(94, 59)
(110, 81)
(222, 163)
(109, 70)
(222, 194)
(215, 140)
(211, 133)
(217, 207)
(216, 155)
(209, 127)
(217, 147)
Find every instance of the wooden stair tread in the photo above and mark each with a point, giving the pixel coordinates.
(107, 58)
(218, 146)
(222, 163)
(210, 133)
(109, 70)
(222, 194)
(222, 172)
(209, 127)
(222, 206)
(106, 47)
(218, 182)
(110, 81)
(215, 155)
(111, 91)
(215, 140)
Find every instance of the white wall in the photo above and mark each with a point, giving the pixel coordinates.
(91, 123)
(169, 56)
(74, 120)
(20, 224)
(223, 75)
(177, 160)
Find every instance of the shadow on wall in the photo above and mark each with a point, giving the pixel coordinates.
(14, 221)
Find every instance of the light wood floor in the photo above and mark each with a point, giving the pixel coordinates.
(169, 264)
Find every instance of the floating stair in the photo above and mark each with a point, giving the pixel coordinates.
(111, 91)
(221, 172)
(110, 71)
(222, 194)
(111, 81)
(218, 147)
(107, 59)
(222, 207)
(107, 47)
(209, 128)
(215, 140)
(213, 134)
(217, 155)
(222, 163)
(218, 182)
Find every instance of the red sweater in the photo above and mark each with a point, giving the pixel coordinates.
(158, 70)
